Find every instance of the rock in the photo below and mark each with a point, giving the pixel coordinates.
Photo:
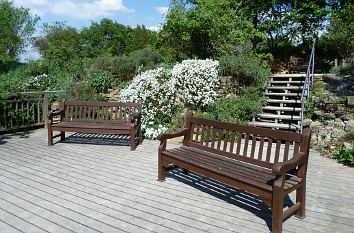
(329, 116)
(318, 113)
(332, 100)
(347, 145)
(350, 100)
(115, 91)
(307, 122)
(336, 133)
(346, 117)
(349, 126)
(315, 124)
(317, 101)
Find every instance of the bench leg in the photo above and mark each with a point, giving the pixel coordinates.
(161, 170)
(277, 207)
(300, 198)
(62, 135)
(132, 139)
(140, 137)
(50, 137)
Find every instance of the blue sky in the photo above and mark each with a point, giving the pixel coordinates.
(80, 13)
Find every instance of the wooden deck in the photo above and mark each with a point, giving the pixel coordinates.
(89, 184)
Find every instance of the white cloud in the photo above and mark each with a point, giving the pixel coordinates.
(155, 28)
(79, 9)
(162, 10)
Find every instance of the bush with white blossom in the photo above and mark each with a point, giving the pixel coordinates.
(157, 91)
(197, 81)
(36, 83)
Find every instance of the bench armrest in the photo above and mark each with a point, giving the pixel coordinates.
(164, 136)
(51, 114)
(299, 158)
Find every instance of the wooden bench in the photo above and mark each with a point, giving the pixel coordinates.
(269, 163)
(297, 65)
(97, 117)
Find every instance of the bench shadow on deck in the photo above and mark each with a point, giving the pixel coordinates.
(96, 139)
(231, 195)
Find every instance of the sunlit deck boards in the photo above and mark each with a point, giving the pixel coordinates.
(75, 187)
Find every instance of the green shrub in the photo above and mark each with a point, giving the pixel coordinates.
(235, 110)
(347, 70)
(122, 85)
(82, 91)
(124, 68)
(246, 70)
(101, 82)
(147, 58)
(345, 156)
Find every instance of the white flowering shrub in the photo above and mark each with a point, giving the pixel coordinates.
(157, 91)
(197, 81)
(194, 81)
(36, 83)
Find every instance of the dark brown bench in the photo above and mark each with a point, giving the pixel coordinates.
(297, 65)
(118, 118)
(268, 163)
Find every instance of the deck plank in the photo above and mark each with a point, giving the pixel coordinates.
(90, 187)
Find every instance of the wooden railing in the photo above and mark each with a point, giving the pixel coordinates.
(24, 110)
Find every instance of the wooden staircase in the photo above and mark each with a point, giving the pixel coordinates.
(283, 108)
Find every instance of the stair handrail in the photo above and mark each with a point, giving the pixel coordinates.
(308, 83)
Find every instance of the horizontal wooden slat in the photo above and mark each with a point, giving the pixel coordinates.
(276, 134)
(101, 104)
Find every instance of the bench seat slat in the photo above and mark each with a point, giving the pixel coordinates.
(196, 161)
(90, 125)
(244, 168)
(257, 176)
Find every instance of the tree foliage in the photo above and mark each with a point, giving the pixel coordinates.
(340, 32)
(16, 28)
(206, 28)
(60, 44)
(106, 38)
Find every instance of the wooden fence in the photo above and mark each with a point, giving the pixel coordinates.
(24, 110)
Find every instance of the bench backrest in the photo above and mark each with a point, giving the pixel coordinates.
(99, 112)
(260, 146)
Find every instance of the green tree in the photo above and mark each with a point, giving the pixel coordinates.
(106, 38)
(340, 35)
(286, 22)
(60, 44)
(206, 28)
(140, 38)
(16, 28)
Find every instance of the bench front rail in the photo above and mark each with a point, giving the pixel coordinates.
(269, 163)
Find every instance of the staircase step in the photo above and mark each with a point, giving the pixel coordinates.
(284, 88)
(288, 76)
(282, 94)
(275, 125)
(289, 109)
(282, 117)
(284, 101)
(286, 81)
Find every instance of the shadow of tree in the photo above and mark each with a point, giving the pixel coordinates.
(237, 197)
(6, 137)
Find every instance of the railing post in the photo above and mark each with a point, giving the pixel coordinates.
(45, 108)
